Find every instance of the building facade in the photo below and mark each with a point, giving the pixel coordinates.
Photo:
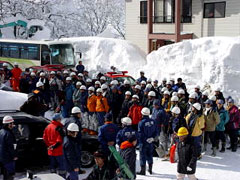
(154, 23)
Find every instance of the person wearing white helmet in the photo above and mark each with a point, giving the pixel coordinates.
(174, 102)
(219, 94)
(182, 103)
(8, 154)
(97, 84)
(125, 87)
(7, 73)
(89, 83)
(102, 106)
(143, 85)
(76, 119)
(174, 94)
(199, 94)
(177, 121)
(44, 80)
(196, 122)
(72, 149)
(147, 131)
(156, 87)
(142, 77)
(125, 105)
(16, 75)
(204, 98)
(166, 101)
(126, 132)
(91, 106)
(103, 79)
(163, 84)
(138, 91)
(105, 90)
(114, 83)
(191, 101)
(149, 101)
(169, 87)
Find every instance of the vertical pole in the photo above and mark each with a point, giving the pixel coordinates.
(177, 20)
(150, 22)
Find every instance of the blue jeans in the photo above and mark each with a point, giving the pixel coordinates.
(72, 175)
(57, 162)
(100, 117)
(197, 143)
(146, 153)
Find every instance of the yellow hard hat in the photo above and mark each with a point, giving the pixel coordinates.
(182, 131)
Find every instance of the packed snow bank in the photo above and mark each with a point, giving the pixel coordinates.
(214, 61)
(99, 54)
(11, 100)
(110, 32)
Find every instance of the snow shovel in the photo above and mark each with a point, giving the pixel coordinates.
(160, 150)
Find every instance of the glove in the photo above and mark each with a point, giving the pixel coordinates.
(189, 169)
(150, 140)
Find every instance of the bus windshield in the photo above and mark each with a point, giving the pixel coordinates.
(62, 54)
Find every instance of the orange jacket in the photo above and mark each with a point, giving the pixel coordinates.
(91, 103)
(102, 104)
(135, 113)
(16, 73)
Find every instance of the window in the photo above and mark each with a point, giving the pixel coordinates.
(214, 10)
(186, 11)
(143, 12)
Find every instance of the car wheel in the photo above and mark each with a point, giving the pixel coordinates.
(87, 159)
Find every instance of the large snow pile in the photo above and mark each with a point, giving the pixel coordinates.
(214, 61)
(11, 100)
(99, 54)
(110, 32)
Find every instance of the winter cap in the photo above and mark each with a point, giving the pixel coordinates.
(103, 78)
(73, 127)
(231, 101)
(75, 110)
(220, 101)
(91, 89)
(143, 82)
(156, 102)
(138, 87)
(208, 101)
(156, 81)
(145, 111)
(128, 93)
(135, 96)
(7, 119)
(39, 84)
(56, 116)
(97, 82)
(68, 79)
(83, 87)
(104, 86)
(78, 83)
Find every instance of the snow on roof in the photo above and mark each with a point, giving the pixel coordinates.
(212, 60)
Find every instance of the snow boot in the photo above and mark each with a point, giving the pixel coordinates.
(223, 147)
(234, 148)
(150, 168)
(143, 171)
(217, 143)
(205, 148)
(214, 152)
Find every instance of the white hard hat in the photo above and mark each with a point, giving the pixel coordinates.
(174, 98)
(104, 86)
(213, 98)
(197, 106)
(68, 79)
(72, 74)
(192, 96)
(114, 82)
(91, 88)
(164, 79)
(15, 64)
(164, 89)
(138, 87)
(52, 72)
(181, 91)
(166, 92)
(172, 79)
(205, 93)
(149, 80)
(143, 82)
(126, 121)
(31, 70)
(39, 84)
(126, 82)
(83, 87)
(103, 78)
(128, 93)
(98, 82)
(152, 93)
(174, 94)
(78, 83)
(88, 80)
(7, 119)
(80, 74)
(197, 87)
(135, 96)
(99, 90)
(42, 74)
(149, 86)
(176, 110)
(145, 111)
(73, 127)
(5, 64)
(169, 83)
(75, 110)
(65, 72)
(217, 89)
(33, 74)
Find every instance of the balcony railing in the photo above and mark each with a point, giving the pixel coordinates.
(165, 19)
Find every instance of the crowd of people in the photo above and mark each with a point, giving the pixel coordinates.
(124, 115)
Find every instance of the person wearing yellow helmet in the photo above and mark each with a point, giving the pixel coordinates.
(187, 154)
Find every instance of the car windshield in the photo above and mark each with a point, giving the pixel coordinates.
(10, 67)
(62, 54)
(122, 79)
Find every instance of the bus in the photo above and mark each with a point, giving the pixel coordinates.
(37, 53)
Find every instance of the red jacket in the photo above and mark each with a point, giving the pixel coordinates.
(135, 113)
(234, 120)
(51, 137)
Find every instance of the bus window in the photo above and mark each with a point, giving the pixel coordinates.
(33, 52)
(45, 55)
(5, 52)
(14, 51)
(24, 52)
(62, 54)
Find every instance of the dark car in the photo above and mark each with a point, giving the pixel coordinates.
(31, 149)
